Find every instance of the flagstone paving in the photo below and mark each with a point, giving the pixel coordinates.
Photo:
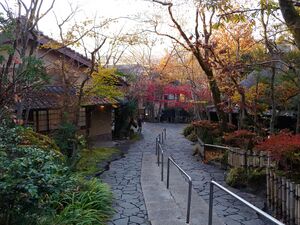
(124, 177)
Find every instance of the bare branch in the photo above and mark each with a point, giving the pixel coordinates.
(196, 26)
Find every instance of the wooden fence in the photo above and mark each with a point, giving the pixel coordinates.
(248, 159)
(283, 197)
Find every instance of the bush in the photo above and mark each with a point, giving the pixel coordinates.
(192, 137)
(285, 149)
(31, 138)
(257, 178)
(208, 131)
(188, 130)
(65, 138)
(28, 177)
(37, 188)
(241, 138)
(252, 178)
(237, 177)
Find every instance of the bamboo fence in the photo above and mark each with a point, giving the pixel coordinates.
(283, 195)
(283, 198)
(248, 159)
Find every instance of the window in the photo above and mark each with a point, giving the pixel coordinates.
(42, 120)
(181, 98)
(171, 97)
(54, 118)
(82, 117)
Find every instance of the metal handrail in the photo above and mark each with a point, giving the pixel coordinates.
(188, 213)
(161, 152)
(264, 214)
(217, 146)
(157, 141)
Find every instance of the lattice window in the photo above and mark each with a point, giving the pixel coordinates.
(54, 119)
(82, 117)
(43, 120)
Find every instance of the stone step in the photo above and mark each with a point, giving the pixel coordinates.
(170, 206)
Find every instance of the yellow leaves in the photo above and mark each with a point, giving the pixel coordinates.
(104, 83)
(286, 90)
(235, 38)
(52, 45)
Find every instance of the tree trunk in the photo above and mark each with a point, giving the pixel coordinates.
(230, 111)
(207, 113)
(298, 118)
(292, 18)
(273, 112)
(242, 110)
(216, 94)
(196, 108)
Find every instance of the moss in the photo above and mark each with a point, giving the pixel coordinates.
(237, 177)
(135, 137)
(90, 158)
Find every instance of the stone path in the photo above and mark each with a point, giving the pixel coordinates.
(229, 209)
(124, 176)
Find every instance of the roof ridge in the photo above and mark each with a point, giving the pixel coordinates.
(73, 51)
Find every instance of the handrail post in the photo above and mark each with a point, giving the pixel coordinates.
(156, 142)
(168, 173)
(165, 133)
(211, 198)
(162, 165)
(158, 155)
(189, 202)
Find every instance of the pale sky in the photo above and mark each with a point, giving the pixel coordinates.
(89, 9)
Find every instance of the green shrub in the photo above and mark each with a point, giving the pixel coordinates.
(65, 138)
(252, 178)
(37, 188)
(257, 177)
(31, 138)
(192, 137)
(188, 130)
(237, 177)
(28, 177)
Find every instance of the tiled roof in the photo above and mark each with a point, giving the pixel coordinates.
(52, 97)
(95, 100)
(44, 39)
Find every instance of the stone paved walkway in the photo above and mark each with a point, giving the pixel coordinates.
(124, 177)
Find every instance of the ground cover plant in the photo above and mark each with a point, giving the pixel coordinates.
(36, 186)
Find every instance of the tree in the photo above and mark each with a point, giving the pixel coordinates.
(234, 40)
(199, 43)
(21, 70)
(292, 18)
